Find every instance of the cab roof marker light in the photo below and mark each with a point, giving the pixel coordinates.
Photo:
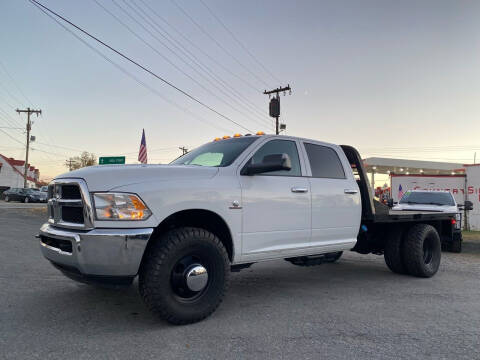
(217, 139)
(226, 137)
(237, 135)
(260, 133)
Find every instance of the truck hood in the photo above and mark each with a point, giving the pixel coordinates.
(426, 207)
(108, 177)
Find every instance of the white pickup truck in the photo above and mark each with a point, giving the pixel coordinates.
(230, 203)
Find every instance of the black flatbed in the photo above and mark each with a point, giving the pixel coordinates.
(411, 216)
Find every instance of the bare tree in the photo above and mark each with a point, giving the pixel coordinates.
(77, 162)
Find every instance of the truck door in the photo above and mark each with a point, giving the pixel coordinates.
(276, 205)
(336, 202)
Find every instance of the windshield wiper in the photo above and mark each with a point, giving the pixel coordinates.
(436, 203)
(410, 202)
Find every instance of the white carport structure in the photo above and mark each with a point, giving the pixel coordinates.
(378, 165)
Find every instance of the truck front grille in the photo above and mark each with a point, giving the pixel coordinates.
(71, 192)
(72, 214)
(69, 204)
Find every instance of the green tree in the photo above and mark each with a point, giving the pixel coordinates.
(77, 162)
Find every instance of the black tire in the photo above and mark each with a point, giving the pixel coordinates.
(421, 251)
(393, 252)
(333, 257)
(456, 245)
(165, 292)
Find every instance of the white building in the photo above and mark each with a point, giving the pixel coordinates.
(463, 181)
(473, 194)
(11, 174)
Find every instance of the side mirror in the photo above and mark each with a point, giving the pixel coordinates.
(468, 205)
(390, 203)
(273, 162)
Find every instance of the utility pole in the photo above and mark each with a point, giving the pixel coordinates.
(29, 127)
(184, 150)
(275, 104)
(69, 163)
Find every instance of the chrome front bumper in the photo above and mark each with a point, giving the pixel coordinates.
(97, 252)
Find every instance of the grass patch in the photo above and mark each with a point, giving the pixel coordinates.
(471, 235)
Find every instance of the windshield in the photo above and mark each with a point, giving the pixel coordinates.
(219, 153)
(428, 197)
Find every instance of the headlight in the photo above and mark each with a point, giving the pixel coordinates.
(119, 206)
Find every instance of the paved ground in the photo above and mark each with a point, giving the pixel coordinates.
(19, 205)
(355, 309)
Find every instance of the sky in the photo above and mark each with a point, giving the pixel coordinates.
(392, 78)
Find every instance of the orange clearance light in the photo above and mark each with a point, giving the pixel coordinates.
(217, 139)
(237, 135)
(260, 133)
(226, 137)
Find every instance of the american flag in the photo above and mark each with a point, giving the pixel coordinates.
(142, 153)
(400, 191)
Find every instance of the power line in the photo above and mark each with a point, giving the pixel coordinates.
(13, 97)
(218, 44)
(200, 49)
(192, 57)
(240, 43)
(15, 83)
(130, 75)
(59, 146)
(147, 18)
(11, 137)
(139, 65)
(162, 55)
(10, 128)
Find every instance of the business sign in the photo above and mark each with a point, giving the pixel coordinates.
(111, 160)
(473, 194)
(452, 183)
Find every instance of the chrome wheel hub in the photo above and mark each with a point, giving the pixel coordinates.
(196, 277)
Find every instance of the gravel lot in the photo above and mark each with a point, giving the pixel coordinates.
(353, 309)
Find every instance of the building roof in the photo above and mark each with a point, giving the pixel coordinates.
(12, 162)
(404, 166)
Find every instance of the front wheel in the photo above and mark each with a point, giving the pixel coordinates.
(185, 275)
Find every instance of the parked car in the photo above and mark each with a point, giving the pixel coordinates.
(44, 190)
(438, 201)
(24, 195)
(228, 204)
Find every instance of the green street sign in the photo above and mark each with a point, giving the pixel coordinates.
(110, 160)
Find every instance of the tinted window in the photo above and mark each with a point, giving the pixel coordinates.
(324, 162)
(427, 197)
(279, 147)
(218, 153)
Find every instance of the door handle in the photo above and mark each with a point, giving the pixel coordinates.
(299, 189)
(350, 191)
